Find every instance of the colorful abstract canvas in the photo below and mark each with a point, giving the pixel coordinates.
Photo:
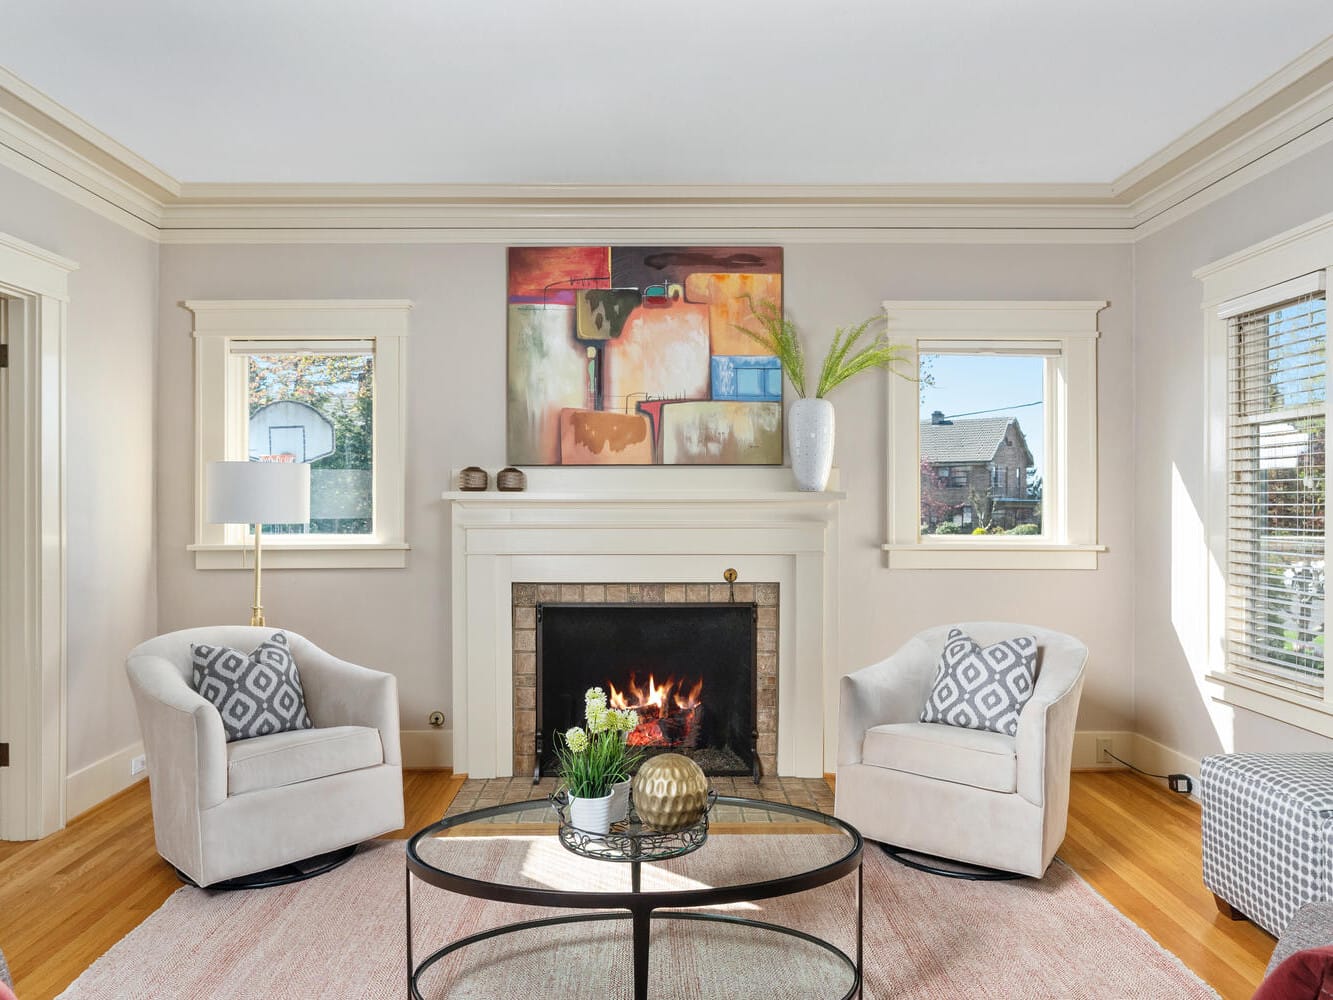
(634, 356)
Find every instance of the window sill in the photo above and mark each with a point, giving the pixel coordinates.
(992, 555)
(1274, 701)
(326, 555)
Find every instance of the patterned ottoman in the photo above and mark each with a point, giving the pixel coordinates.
(1267, 833)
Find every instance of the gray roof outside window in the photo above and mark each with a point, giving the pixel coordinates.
(964, 441)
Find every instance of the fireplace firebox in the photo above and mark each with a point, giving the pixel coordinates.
(688, 669)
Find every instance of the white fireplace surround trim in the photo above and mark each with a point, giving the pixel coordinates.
(646, 525)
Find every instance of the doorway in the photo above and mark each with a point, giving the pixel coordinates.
(33, 302)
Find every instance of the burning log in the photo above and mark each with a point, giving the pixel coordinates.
(670, 713)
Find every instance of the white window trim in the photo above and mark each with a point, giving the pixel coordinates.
(1071, 394)
(1250, 279)
(217, 324)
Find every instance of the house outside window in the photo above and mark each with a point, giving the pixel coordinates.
(307, 381)
(1006, 401)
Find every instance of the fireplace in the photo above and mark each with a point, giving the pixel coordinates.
(689, 670)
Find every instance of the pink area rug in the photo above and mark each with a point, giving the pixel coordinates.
(343, 935)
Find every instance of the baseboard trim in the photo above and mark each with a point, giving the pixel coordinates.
(428, 749)
(1161, 759)
(1145, 754)
(92, 785)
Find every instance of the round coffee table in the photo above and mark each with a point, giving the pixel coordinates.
(809, 850)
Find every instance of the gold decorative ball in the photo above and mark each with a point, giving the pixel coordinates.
(670, 792)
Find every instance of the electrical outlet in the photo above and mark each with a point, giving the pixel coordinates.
(138, 765)
(1104, 750)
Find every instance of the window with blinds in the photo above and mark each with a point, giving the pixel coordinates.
(1277, 410)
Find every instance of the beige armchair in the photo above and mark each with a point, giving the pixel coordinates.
(226, 810)
(981, 798)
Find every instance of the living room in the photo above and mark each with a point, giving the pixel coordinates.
(1079, 239)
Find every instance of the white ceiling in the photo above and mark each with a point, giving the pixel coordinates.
(618, 91)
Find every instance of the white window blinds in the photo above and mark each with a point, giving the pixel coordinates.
(1277, 409)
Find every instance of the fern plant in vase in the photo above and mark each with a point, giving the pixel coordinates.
(810, 422)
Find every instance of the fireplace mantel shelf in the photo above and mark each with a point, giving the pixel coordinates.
(572, 486)
(526, 498)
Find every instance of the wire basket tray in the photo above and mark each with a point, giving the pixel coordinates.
(631, 839)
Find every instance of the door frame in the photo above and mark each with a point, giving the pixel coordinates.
(34, 287)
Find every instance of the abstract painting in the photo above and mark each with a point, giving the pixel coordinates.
(633, 356)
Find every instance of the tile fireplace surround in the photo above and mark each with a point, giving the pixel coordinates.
(528, 595)
(651, 529)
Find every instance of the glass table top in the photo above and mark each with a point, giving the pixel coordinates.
(750, 843)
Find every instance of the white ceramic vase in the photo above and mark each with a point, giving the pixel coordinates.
(591, 815)
(619, 809)
(810, 442)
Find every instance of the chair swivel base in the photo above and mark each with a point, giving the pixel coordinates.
(296, 871)
(946, 867)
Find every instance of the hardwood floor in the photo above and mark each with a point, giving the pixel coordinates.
(1138, 845)
(66, 899)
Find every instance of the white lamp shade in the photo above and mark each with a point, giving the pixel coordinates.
(258, 493)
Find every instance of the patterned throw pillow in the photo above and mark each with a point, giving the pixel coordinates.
(982, 688)
(256, 694)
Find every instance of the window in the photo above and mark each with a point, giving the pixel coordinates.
(1265, 334)
(1267, 461)
(1276, 376)
(988, 409)
(316, 404)
(1005, 387)
(317, 382)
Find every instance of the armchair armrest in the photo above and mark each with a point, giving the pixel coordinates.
(184, 742)
(892, 690)
(338, 693)
(1044, 743)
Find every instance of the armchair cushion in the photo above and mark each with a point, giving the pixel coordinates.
(982, 688)
(257, 694)
(947, 753)
(300, 755)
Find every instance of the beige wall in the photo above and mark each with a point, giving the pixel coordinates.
(399, 619)
(110, 393)
(1132, 612)
(1172, 705)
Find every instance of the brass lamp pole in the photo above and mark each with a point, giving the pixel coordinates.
(258, 493)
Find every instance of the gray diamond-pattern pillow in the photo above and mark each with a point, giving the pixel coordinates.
(256, 694)
(982, 688)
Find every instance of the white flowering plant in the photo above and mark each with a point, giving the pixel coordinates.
(594, 757)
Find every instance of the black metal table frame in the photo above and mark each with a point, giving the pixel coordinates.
(640, 905)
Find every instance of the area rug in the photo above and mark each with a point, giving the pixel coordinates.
(343, 935)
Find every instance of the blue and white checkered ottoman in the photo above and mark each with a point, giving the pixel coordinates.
(1268, 832)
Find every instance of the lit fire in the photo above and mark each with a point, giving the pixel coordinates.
(669, 713)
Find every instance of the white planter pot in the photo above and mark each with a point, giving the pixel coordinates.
(810, 442)
(591, 815)
(619, 808)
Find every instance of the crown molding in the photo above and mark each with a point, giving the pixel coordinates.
(562, 235)
(1265, 100)
(45, 141)
(1288, 114)
(471, 212)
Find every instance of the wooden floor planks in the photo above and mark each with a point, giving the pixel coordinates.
(66, 899)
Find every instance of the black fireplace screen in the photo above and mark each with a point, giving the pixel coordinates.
(688, 669)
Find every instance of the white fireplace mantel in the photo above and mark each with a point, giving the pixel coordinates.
(644, 525)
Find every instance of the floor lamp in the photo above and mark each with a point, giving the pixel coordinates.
(258, 493)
